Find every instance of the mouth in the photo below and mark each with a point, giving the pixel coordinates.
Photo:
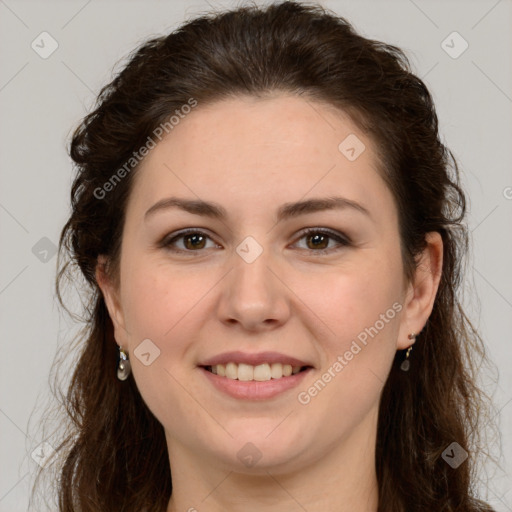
(256, 383)
(260, 373)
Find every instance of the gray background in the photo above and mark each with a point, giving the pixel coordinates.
(41, 100)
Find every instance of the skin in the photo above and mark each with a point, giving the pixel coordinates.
(251, 156)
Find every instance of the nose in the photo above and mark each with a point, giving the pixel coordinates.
(254, 295)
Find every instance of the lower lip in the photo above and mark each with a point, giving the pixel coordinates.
(254, 390)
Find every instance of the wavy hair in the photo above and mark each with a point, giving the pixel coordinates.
(113, 456)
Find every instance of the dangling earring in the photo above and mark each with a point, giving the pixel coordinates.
(123, 368)
(406, 363)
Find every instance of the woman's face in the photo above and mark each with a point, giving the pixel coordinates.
(248, 281)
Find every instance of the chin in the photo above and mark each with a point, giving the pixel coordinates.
(270, 447)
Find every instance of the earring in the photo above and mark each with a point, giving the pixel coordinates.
(123, 368)
(406, 363)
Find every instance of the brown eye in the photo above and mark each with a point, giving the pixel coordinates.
(317, 240)
(195, 241)
(187, 241)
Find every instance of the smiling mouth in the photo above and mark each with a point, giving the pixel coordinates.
(260, 373)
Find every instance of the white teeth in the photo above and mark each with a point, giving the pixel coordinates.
(276, 370)
(247, 372)
(261, 372)
(232, 371)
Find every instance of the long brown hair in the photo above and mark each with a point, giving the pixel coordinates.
(114, 454)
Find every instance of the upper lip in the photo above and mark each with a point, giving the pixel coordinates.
(253, 359)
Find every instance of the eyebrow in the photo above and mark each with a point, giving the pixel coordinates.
(286, 211)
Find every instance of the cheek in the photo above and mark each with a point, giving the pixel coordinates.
(361, 308)
(157, 298)
(166, 306)
(163, 306)
(357, 298)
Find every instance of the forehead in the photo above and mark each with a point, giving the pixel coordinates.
(260, 148)
(272, 129)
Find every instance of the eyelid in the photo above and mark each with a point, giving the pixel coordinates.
(342, 239)
(327, 231)
(166, 241)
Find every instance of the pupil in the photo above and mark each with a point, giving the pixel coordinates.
(188, 238)
(316, 238)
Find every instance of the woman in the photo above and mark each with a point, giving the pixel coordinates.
(273, 235)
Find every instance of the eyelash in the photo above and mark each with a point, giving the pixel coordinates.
(342, 239)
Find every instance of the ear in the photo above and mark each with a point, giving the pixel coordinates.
(112, 300)
(421, 293)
